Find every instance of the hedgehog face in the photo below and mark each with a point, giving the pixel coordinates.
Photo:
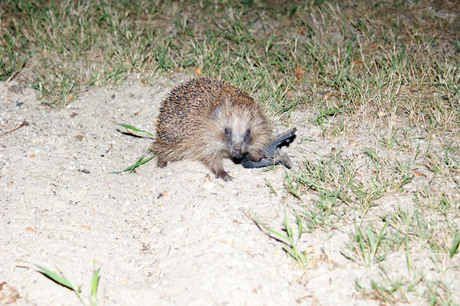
(237, 141)
(237, 127)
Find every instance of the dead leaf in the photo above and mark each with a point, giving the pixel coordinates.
(301, 30)
(313, 263)
(8, 294)
(69, 98)
(86, 226)
(198, 70)
(330, 94)
(298, 73)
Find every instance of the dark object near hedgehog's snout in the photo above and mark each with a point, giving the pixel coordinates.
(273, 155)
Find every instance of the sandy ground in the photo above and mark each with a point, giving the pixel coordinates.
(169, 236)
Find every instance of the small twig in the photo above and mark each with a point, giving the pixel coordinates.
(13, 75)
(24, 123)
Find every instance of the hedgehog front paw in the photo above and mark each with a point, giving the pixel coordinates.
(223, 175)
(161, 163)
(255, 156)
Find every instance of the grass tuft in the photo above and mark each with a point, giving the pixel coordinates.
(289, 240)
(60, 278)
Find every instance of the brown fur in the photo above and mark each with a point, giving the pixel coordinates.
(208, 120)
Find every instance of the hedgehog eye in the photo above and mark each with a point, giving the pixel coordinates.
(227, 132)
(247, 136)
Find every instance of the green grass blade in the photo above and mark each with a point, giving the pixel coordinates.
(290, 251)
(361, 243)
(57, 278)
(130, 127)
(455, 243)
(372, 244)
(328, 112)
(288, 229)
(379, 240)
(140, 161)
(299, 226)
(94, 283)
(279, 235)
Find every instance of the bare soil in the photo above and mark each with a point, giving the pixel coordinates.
(174, 235)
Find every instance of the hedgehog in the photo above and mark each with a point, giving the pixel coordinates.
(208, 120)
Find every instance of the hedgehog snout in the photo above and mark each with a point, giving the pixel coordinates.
(237, 153)
(237, 148)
